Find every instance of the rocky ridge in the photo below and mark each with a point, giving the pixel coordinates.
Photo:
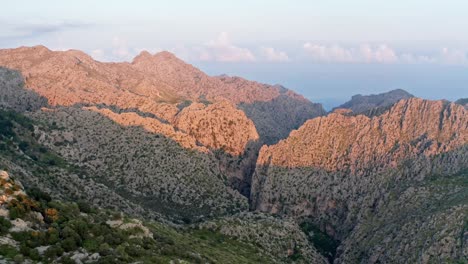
(410, 128)
(357, 177)
(462, 101)
(164, 95)
(368, 188)
(366, 104)
(151, 84)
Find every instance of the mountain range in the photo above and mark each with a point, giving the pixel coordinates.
(226, 161)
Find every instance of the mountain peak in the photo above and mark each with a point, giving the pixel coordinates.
(145, 56)
(166, 54)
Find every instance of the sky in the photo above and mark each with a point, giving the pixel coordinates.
(325, 50)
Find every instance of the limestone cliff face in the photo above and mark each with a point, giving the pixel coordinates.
(337, 142)
(217, 126)
(200, 127)
(151, 125)
(362, 179)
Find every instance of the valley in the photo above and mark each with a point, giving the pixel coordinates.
(224, 170)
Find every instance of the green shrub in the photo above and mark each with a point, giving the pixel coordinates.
(104, 249)
(321, 240)
(69, 244)
(5, 225)
(38, 195)
(8, 251)
(53, 251)
(84, 207)
(91, 245)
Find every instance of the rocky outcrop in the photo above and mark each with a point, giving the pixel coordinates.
(151, 125)
(217, 126)
(360, 104)
(354, 176)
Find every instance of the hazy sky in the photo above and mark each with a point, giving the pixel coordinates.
(327, 50)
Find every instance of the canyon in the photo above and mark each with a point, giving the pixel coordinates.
(380, 179)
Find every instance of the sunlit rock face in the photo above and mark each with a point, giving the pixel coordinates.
(354, 176)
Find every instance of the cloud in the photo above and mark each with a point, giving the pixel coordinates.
(364, 54)
(221, 49)
(120, 48)
(453, 56)
(44, 28)
(98, 54)
(381, 54)
(270, 54)
(25, 30)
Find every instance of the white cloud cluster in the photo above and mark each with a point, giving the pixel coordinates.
(270, 54)
(363, 54)
(380, 54)
(120, 48)
(221, 49)
(451, 56)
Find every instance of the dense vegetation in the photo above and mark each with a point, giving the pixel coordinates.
(324, 243)
(59, 230)
(17, 134)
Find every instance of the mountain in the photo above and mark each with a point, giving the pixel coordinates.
(227, 115)
(162, 94)
(462, 101)
(151, 84)
(388, 188)
(360, 104)
(124, 216)
(154, 161)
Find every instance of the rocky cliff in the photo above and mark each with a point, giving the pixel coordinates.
(338, 142)
(352, 176)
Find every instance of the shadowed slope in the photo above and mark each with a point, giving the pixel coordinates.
(361, 104)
